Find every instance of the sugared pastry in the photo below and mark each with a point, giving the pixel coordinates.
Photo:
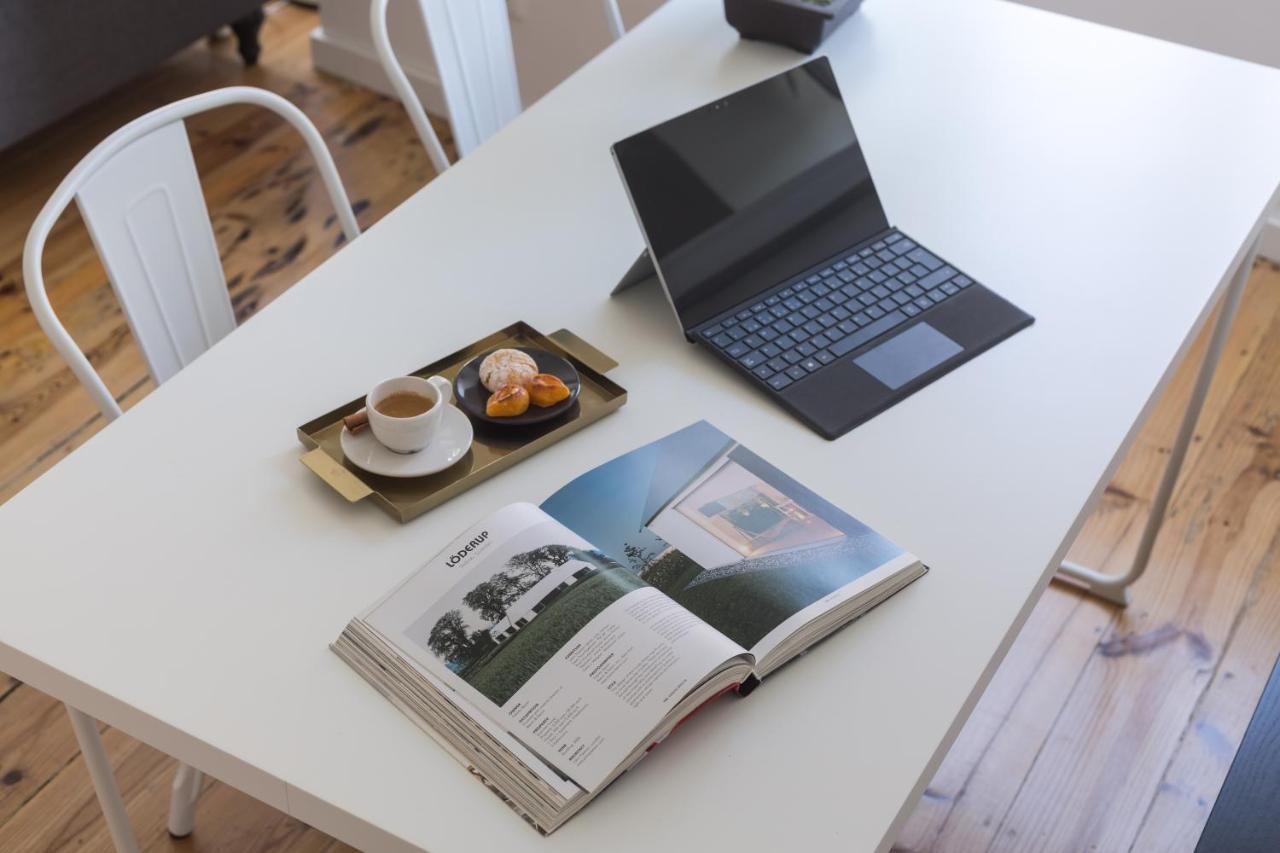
(507, 402)
(507, 367)
(547, 390)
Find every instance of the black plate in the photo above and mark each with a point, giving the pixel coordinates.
(472, 395)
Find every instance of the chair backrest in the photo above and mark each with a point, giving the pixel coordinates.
(471, 42)
(139, 194)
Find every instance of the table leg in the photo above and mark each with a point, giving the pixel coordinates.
(182, 800)
(1115, 587)
(104, 781)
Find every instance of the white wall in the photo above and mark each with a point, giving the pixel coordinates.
(552, 38)
(1245, 29)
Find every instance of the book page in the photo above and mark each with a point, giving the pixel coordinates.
(570, 652)
(726, 535)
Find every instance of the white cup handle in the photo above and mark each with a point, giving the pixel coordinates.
(443, 387)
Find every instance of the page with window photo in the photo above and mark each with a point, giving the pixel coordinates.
(571, 653)
(730, 537)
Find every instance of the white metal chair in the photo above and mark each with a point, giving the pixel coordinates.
(471, 41)
(139, 195)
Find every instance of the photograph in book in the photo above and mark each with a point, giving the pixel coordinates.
(522, 604)
(721, 531)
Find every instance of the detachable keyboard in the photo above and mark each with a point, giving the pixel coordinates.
(804, 325)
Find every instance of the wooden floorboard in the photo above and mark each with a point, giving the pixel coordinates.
(1103, 729)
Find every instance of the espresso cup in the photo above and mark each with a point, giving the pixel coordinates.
(411, 434)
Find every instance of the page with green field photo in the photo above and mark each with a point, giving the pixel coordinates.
(572, 653)
(725, 534)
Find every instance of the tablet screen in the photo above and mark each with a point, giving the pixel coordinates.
(739, 195)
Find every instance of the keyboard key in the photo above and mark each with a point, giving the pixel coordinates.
(712, 331)
(919, 271)
(729, 321)
(820, 341)
(753, 341)
(778, 364)
(962, 281)
(782, 327)
(813, 279)
(891, 268)
(937, 295)
(850, 290)
(821, 290)
(764, 371)
(793, 303)
(736, 333)
(849, 326)
(869, 333)
(767, 334)
(859, 320)
(914, 290)
(811, 364)
(878, 245)
(835, 333)
(862, 253)
(752, 360)
(906, 277)
(772, 300)
(873, 262)
(807, 297)
(924, 302)
(880, 291)
(825, 357)
(750, 326)
(797, 319)
(806, 349)
(846, 276)
(779, 311)
(901, 297)
(770, 351)
(744, 314)
(936, 278)
(795, 371)
(886, 255)
(867, 299)
(920, 256)
(950, 289)
(887, 305)
(757, 308)
(779, 381)
(910, 309)
(799, 335)
(810, 312)
(860, 268)
(839, 265)
(893, 238)
(824, 304)
(878, 277)
(902, 247)
(738, 350)
(828, 320)
(786, 293)
(894, 285)
(791, 357)
(722, 340)
(841, 313)
(874, 313)
(813, 327)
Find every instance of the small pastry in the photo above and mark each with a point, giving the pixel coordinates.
(507, 402)
(507, 367)
(547, 390)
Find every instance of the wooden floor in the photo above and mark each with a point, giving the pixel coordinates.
(1103, 729)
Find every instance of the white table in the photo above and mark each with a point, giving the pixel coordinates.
(181, 575)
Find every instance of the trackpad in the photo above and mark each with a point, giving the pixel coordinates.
(900, 359)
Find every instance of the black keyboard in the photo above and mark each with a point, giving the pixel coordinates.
(802, 326)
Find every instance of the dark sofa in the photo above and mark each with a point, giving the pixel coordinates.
(57, 55)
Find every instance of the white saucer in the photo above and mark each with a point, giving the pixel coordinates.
(450, 444)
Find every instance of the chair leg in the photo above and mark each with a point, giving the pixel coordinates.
(182, 800)
(246, 30)
(104, 781)
(1115, 587)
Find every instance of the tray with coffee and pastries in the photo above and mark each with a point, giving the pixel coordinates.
(539, 390)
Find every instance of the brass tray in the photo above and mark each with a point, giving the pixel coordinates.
(495, 448)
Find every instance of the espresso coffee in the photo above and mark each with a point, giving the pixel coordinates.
(404, 404)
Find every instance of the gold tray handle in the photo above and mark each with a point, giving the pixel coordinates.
(583, 351)
(332, 472)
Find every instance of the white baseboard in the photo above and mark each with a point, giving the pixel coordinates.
(1269, 245)
(359, 64)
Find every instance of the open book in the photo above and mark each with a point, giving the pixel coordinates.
(549, 648)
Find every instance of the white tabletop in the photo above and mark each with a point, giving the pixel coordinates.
(182, 575)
